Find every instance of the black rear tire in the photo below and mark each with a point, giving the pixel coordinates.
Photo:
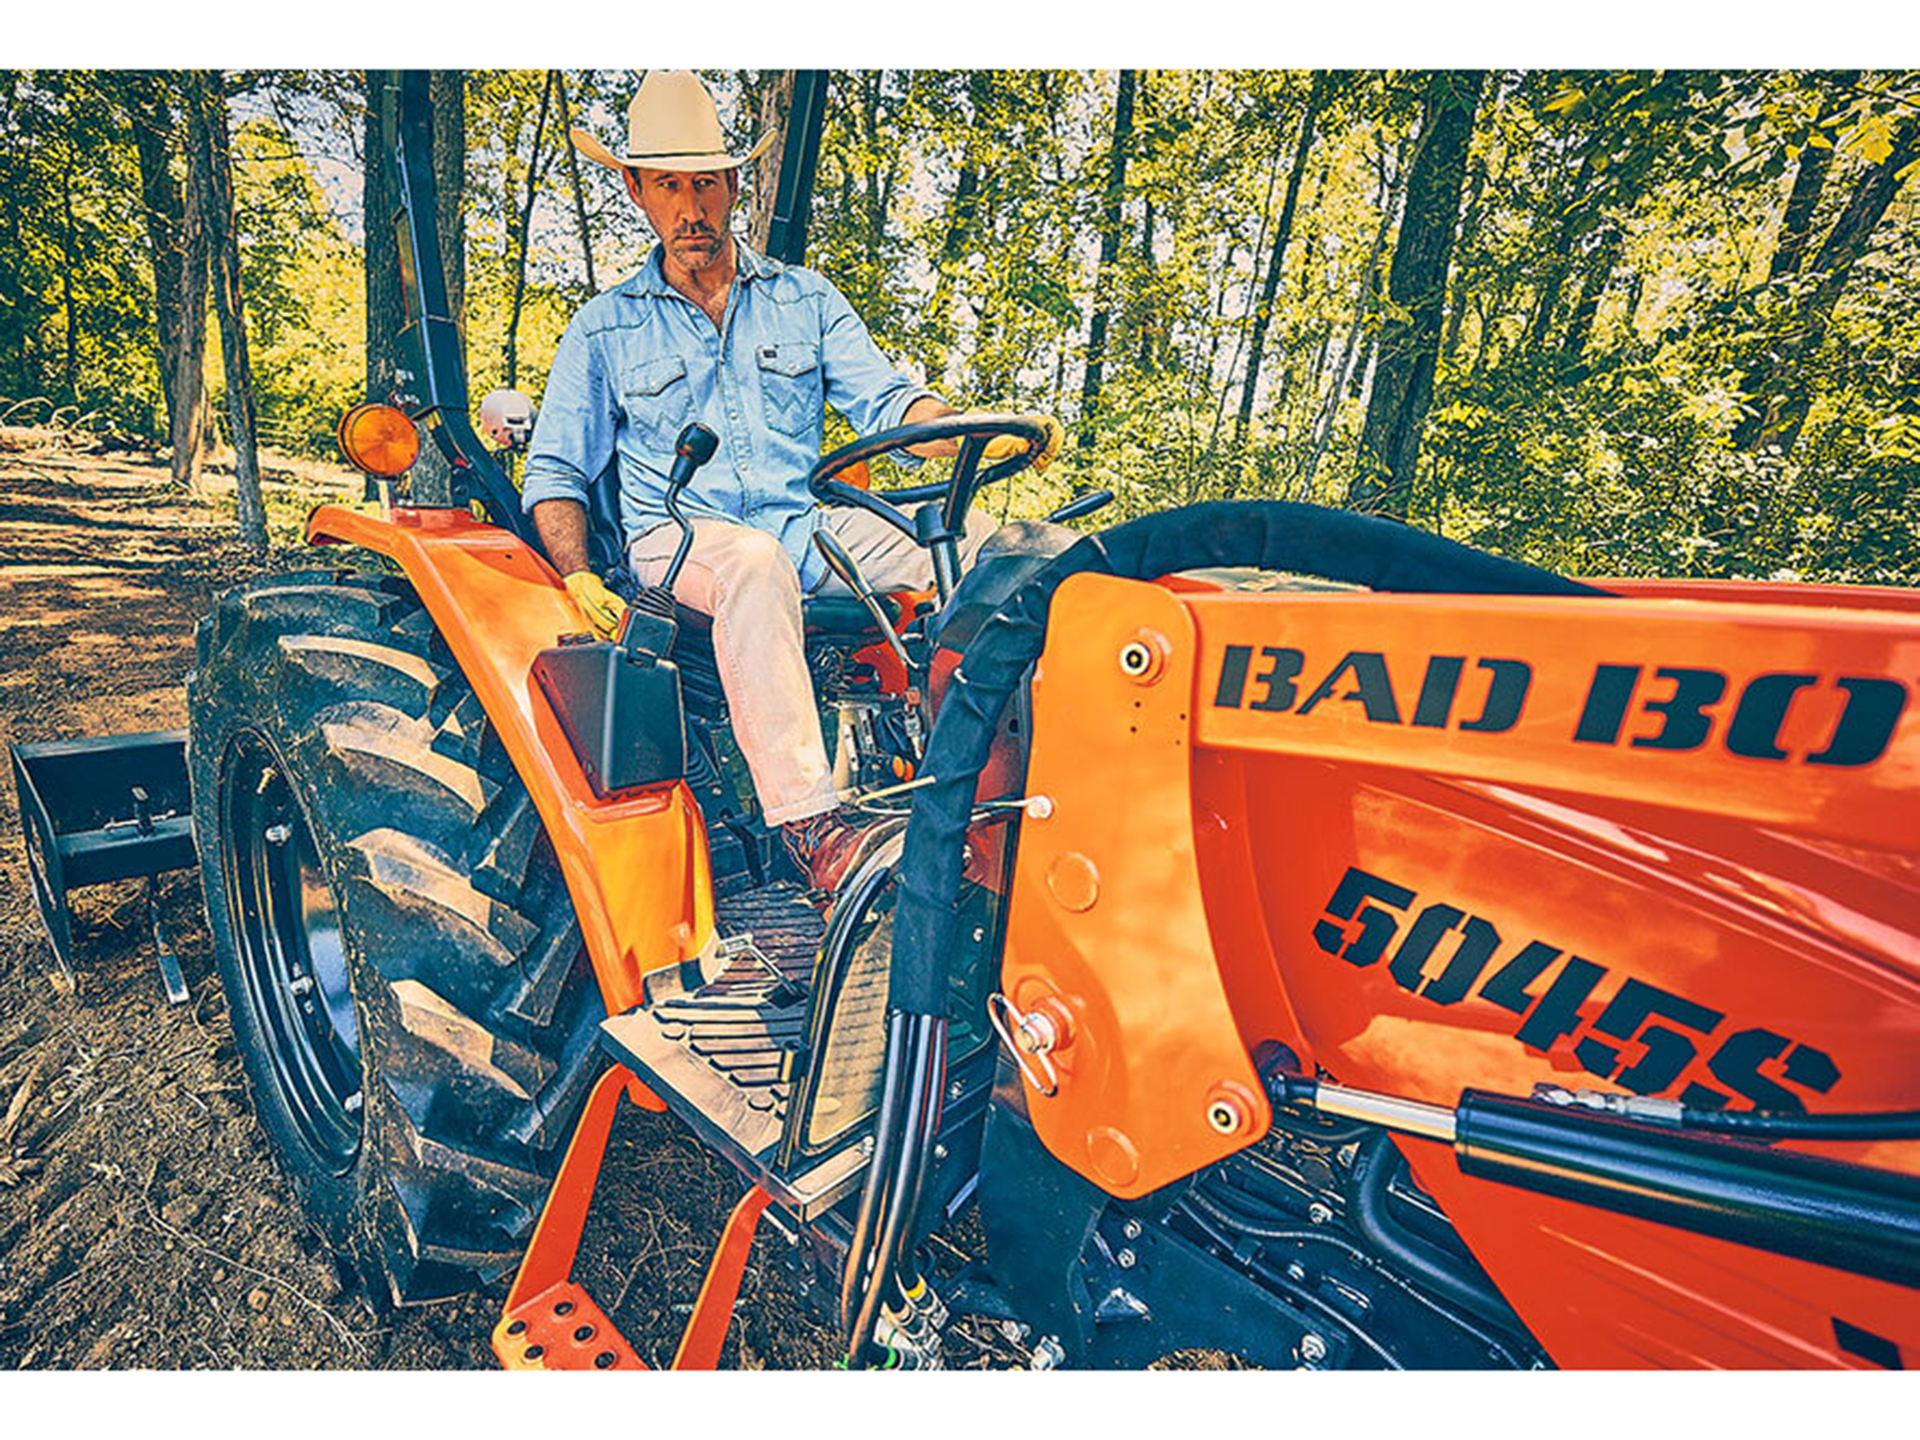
(400, 956)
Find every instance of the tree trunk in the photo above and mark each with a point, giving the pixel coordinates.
(1263, 315)
(1390, 192)
(520, 240)
(380, 199)
(1546, 303)
(1809, 180)
(1409, 342)
(69, 267)
(1240, 326)
(150, 117)
(1796, 224)
(580, 190)
(1109, 254)
(1148, 321)
(447, 90)
(431, 481)
(1594, 279)
(1469, 228)
(211, 173)
(776, 106)
(179, 256)
(1779, 386)
(191, 430)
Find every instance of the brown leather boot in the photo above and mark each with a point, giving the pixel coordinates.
(825, 847)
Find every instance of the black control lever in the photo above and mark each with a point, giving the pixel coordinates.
(649, 626)
(693, 449)
(1083, 504)
(848, 569)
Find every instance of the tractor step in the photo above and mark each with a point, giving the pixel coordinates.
(721, 1051)
(550, 1322)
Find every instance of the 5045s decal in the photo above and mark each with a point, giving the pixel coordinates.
(1644, 1039)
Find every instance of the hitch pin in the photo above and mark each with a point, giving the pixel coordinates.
(1031, 1035)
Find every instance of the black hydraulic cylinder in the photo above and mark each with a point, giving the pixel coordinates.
(1851, 1217)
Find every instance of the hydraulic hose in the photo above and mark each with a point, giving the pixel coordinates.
(1367, 1209)
(866, 1220)
(1764, 1125)
(894, 1173)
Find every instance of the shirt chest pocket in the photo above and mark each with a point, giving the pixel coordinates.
(659, 398)
(790, 386)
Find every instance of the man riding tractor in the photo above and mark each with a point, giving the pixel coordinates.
(709, 330)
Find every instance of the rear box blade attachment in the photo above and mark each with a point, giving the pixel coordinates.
(109, 808)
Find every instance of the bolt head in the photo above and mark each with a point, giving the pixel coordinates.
(1319, 1213)
(1125, 1259)
(1131, 1229)
(1226, 1115)
(1312, 1348)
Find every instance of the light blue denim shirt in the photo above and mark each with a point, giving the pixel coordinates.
(641, 360)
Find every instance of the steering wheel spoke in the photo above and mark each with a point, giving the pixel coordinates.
(957, 491)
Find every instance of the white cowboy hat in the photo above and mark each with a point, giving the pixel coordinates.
(672, 124)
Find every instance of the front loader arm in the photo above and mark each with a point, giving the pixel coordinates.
(636, 865)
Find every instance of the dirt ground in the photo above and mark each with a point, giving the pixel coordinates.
(142, 1220)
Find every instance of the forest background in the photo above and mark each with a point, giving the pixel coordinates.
(1613, 322)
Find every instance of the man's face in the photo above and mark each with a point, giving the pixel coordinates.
(687, 211)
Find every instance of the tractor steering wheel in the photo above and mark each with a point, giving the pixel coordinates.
(958, 489)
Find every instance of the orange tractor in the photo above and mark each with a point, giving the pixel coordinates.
(1303, 937)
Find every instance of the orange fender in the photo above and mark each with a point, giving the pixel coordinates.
(636, 864)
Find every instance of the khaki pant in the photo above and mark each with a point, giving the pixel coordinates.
(743, 579)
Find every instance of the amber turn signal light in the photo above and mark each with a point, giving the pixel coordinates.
(379, 439)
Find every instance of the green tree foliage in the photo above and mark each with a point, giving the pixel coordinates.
(1673, 329)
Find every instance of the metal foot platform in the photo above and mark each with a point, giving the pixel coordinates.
(721, 1054)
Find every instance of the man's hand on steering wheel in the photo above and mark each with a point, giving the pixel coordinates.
(1002, 447)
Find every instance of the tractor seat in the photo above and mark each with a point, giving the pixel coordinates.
(837, 615)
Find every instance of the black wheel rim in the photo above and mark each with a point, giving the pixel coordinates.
(286, 929)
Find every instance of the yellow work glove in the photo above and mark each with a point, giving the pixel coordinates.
(599, 606)
(1005, 447)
